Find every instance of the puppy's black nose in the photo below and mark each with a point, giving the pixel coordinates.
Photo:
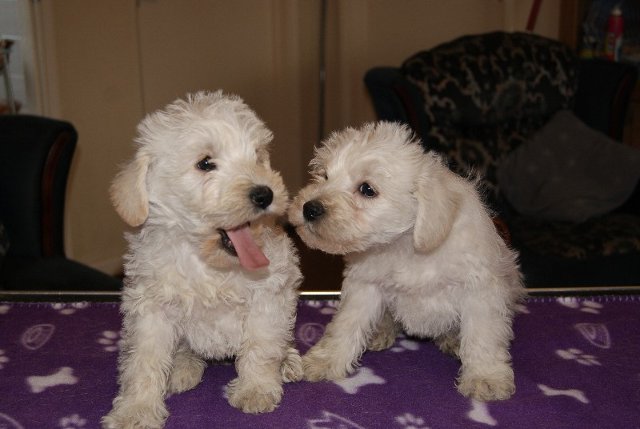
(312, 210)
(261, 196)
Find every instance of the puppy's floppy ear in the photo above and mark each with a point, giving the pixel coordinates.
(438, 202)
(129, 191)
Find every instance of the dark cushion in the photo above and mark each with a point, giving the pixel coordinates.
(568, 172)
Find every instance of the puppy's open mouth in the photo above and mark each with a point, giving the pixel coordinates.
(239, 242)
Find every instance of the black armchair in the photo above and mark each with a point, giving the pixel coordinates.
(35, 157)
(479, 98)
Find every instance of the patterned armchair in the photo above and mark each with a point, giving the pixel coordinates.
(478, 98)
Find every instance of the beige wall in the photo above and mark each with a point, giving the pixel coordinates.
(109, 62)
(92, 80)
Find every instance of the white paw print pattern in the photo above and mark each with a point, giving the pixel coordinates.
(110, 341)
(4, 308)
(584, 306)
(67, 309)
(3, 360)
(73, 421)
(409, 421)
(579, 356)
(324, 307)
(404, 345)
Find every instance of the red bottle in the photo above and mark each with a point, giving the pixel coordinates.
(613, 38)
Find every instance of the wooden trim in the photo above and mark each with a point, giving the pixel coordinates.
(571, 12)
(52, 236)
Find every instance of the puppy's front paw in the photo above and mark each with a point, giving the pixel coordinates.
(291, 368)
(499, 386)
(135, 416)
(318, 366)
(253, 398)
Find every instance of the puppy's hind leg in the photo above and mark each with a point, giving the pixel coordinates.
(187, 370)
(385, 333)
(449, 343)
(485, 332)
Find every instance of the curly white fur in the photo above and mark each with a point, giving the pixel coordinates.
(201, 171)
(419, 244)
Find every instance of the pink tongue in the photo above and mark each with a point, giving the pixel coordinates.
(251, 257)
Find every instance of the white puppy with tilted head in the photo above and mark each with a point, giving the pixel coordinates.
(422, 254)
(209, 274)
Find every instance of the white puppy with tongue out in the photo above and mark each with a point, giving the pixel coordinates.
(209, 273)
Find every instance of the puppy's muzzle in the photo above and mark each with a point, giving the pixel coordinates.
(261, 196)
(313, 210)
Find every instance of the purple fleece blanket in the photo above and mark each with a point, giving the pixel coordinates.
(576, 360)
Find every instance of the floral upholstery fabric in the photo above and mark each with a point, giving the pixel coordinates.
(486, 95)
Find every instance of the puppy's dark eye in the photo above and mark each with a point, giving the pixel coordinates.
(206, 164)
(367, 190)
(320, 175)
